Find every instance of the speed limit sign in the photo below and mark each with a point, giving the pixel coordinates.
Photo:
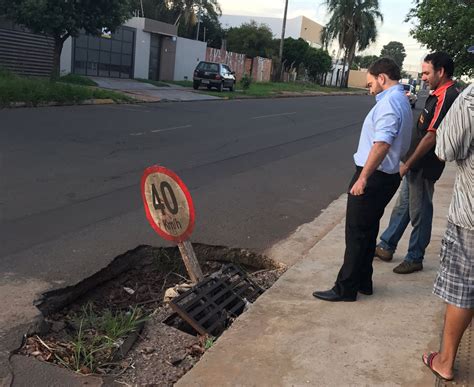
(169, 209)
(168, 204)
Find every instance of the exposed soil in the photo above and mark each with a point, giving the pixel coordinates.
(161, 354)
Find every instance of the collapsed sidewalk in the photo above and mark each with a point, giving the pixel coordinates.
(288, 338)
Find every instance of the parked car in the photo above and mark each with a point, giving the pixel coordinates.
(411, 94)
(212, 74)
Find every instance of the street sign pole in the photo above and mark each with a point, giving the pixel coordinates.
(170, 210)
(190, 261)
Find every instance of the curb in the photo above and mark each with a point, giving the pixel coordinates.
(298, 244)
(336, 94)
(89, 102)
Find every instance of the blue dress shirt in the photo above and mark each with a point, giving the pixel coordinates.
(389, 121)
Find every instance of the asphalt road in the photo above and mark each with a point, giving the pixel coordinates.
(257, 169)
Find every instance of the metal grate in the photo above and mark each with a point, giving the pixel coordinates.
(212, 304)
(463, 366)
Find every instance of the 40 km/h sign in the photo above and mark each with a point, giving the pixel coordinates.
(168, 204)
(170, 211)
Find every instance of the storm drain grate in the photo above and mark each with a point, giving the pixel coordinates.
(464, 365)
(213, 303)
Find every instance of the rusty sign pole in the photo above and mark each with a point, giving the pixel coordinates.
(190, 261)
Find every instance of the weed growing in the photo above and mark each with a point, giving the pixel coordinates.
(93, 340)
(35, 91)
(181, 83)
(209, 343)
(154, 83)
(77, 80)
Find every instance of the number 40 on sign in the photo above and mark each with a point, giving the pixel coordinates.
(169, 209)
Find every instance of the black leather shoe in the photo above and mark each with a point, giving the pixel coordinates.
(331, 295)
(367, 292)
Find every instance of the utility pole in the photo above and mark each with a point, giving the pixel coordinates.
(141, 4)
(199, 21)
(282, 39)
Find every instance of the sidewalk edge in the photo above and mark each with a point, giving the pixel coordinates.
(298, 244)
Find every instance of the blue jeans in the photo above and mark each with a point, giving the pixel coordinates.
(415, 205)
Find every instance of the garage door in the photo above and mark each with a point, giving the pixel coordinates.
(107, 56)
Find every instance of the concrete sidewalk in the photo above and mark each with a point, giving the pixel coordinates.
(147, 92)
(288, 338)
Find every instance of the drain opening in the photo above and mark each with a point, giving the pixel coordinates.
(214, 303)
(136, 282)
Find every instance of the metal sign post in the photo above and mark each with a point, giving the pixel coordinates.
(170, 210)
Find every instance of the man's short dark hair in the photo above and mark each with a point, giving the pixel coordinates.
(385, 66)
(441, 60)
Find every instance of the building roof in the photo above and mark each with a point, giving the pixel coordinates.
(298, 27)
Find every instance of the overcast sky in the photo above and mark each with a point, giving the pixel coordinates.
(393, 27)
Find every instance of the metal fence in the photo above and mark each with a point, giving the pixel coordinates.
(23, 52)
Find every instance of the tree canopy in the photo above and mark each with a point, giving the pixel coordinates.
(395, 51)
(446, 25)
(211, 31)
(294, 51)
(186, 13)
(64, 18)
(251, 39)
(317, 62)
(365, 61)
(156, 9)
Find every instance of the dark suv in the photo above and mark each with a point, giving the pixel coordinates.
(216, 75)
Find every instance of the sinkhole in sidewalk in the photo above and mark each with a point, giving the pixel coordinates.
(139, 321)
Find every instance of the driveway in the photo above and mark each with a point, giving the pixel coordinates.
(150, 93)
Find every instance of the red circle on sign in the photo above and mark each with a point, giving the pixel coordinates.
(187, 233)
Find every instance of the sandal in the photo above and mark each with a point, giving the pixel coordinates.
(428, 361)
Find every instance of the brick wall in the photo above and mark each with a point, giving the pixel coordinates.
(260, 68)
(235, 61)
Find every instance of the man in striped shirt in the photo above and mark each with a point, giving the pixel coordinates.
(455, 280)
(421, 169)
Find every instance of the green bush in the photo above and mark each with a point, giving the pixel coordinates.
(246, 81)
(5, 73)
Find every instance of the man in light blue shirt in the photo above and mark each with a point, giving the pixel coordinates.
(385, 138)
(389, 122)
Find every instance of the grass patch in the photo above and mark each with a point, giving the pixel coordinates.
(77, 80)
(181, 83)
(209, 343)
(35, 91)
(269, 89)
(151, 82)
(96, 340)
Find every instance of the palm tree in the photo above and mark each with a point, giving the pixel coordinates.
(156, 9)
(192, 9)
(186, 12)
(353, 24)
